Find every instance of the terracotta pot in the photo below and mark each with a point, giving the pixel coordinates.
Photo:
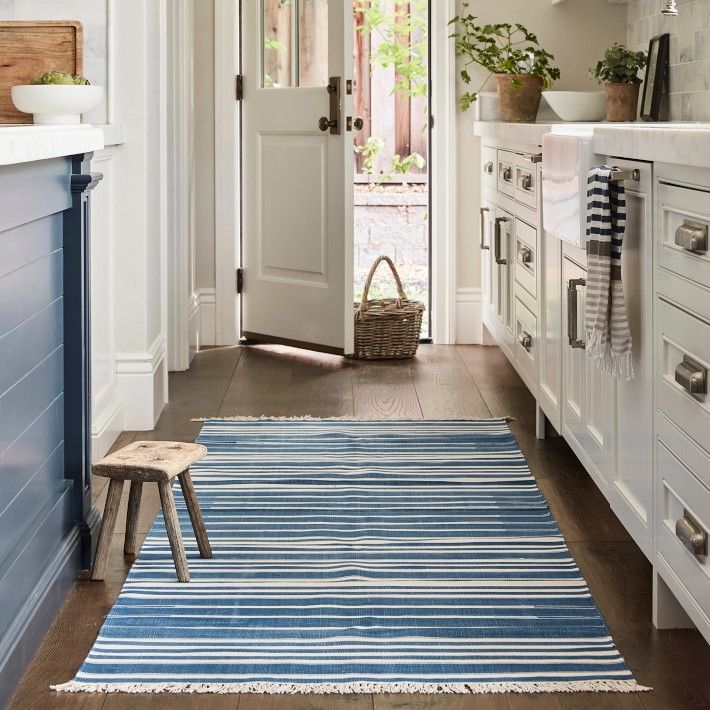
(519, 104)
(622, 101)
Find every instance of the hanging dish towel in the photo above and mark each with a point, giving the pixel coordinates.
(606, 322)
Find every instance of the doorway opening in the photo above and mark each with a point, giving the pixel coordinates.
(392, 176)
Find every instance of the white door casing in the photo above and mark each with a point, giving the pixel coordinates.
(297, 240)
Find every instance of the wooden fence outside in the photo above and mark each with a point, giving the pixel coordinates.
(297, 55)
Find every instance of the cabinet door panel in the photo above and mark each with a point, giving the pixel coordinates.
(550, 329)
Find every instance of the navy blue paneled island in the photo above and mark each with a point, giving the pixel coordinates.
(46, 515)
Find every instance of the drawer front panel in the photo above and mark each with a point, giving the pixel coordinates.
(683, 359)
(526, 254)
(506, 172)
(684, 517)
(683, 240)
(526, 344)
(489, 163)
(527, 181)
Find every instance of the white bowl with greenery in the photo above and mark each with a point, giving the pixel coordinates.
(57, 98)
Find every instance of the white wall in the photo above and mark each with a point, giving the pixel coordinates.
(576, 32)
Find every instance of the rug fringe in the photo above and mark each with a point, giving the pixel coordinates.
(591, 686)
(265, 418)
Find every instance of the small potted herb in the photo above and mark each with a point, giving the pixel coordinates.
(513, 54)
(619, 72)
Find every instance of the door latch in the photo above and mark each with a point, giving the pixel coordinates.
(333, 122)
(240, 280)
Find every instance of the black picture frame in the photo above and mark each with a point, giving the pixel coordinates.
(656, 82)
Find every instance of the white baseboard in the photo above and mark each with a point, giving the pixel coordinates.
(106, 423)
(207, 304)
(141, 380)
(469, 316)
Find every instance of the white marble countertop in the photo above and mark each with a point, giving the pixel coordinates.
(675, 143)
(25, 144)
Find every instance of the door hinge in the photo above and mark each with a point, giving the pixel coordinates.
(240, 280)
(239, 87)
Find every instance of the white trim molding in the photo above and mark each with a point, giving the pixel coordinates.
(469, 316)
(227, 170)
(443, 173)
(206, 305)
(141, 380)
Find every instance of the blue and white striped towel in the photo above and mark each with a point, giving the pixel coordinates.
(608, 336)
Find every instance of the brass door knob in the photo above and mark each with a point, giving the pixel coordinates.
(325, 124)
(358, 124)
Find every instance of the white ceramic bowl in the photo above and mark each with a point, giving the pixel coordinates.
(577, 105)
(57, 105)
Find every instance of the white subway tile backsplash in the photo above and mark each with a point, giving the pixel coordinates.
(689, 98)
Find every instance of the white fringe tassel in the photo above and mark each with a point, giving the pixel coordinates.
(577, 686)
(341, 419)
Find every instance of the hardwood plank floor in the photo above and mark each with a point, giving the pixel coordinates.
(462, 382)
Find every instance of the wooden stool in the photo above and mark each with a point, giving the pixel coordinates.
(151, 462)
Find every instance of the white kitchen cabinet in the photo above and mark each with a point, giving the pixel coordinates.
(489, 275)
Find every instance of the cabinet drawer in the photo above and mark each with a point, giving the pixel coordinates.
(684, 354)
(526, 345)
(489, 161)
(527, 181)
(526, 253)
(683, 239)
(506, 172)
(683, 508)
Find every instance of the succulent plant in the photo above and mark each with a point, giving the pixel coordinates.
(59, 78)
(620, 65)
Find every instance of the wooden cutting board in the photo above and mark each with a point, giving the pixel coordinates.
(28, 50)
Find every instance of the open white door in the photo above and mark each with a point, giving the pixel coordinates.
(297, 148)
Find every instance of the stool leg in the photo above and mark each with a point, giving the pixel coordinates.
(172, 525)
(113, 501)
(193, 507)
(134, 506)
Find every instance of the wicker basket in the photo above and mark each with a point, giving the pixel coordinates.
(389, 328)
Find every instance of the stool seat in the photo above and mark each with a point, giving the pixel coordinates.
(150, 461)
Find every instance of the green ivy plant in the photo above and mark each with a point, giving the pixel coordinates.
(620, 65)
(502, 48)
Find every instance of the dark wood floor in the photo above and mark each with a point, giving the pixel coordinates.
(441, 383)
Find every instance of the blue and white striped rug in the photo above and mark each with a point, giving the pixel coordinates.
(356, 556)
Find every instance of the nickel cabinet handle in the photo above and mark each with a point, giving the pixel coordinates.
(499, 259)
(525, 340)
(525, 181)
(484, 211)
(689, 532)
(506, 173)
(572, 314)
(692, 236)
(525, 256)
(692, 377)
(534, 159)
(488, 168)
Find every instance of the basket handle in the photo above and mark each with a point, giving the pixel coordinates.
(371, 275)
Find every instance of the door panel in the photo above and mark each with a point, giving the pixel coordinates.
(297, 241)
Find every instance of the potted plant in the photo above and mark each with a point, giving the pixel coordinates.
(619, 72)
(57, 98)
(511, 53)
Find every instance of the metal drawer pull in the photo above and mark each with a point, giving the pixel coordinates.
(692, 376)
(689, 532)
(488, 167)
(572, 316)
(525, 181)
(499, 260)
(526, 340)
(484, 246)
(534, 159)
(692, 236)
(507, 173)
(525, 255)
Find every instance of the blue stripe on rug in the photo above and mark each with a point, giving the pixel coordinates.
(359, 556)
